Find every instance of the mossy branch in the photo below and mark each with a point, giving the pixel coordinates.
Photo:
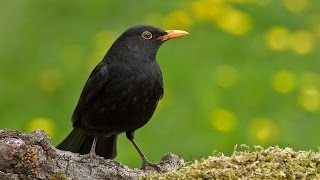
(31, 156)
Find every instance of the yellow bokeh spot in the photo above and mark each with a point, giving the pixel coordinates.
(277, 38)
(309, 99)
(41, 123)
(302, 42)
(208, 10)
(223, 120)
(221, 13)
(101, 43)
(177, 20)
(284, 81)
(225, 76)
(264, 130)
(234, 21)
(49, 80)
(296, 6)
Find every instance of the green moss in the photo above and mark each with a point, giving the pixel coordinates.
(59, 176)
(259, 163)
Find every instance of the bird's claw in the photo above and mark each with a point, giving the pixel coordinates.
(89, 157)
(146, 165)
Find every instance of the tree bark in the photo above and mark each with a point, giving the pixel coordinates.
(32, 156)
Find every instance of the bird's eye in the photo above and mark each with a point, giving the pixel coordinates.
(147, 35)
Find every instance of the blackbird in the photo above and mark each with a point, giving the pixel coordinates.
(121, 94)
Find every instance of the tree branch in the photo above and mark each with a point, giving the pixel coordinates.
(31, 156)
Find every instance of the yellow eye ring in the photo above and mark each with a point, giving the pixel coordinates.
(147, 35)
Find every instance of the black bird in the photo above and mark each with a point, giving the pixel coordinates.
(121, 94)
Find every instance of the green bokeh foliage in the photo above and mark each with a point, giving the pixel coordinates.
(47, 44)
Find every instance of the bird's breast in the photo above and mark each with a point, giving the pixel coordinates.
(137, 88)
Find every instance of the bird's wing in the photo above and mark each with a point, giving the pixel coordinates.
(97, 80)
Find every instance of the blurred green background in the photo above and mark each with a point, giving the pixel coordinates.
(247, 73)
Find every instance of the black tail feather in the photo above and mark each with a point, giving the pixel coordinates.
(78, 142)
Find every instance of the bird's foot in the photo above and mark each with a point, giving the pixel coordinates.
(149, 166)
(89, 158)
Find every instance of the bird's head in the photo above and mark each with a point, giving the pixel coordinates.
(143, 41)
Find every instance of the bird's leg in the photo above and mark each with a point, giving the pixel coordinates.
(92, 152)
(146, 164)
(88, 158)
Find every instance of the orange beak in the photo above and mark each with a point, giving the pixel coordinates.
(170, 34)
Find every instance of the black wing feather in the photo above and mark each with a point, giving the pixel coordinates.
(96, 81)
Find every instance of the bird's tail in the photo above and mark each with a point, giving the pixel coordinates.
(78, 142)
